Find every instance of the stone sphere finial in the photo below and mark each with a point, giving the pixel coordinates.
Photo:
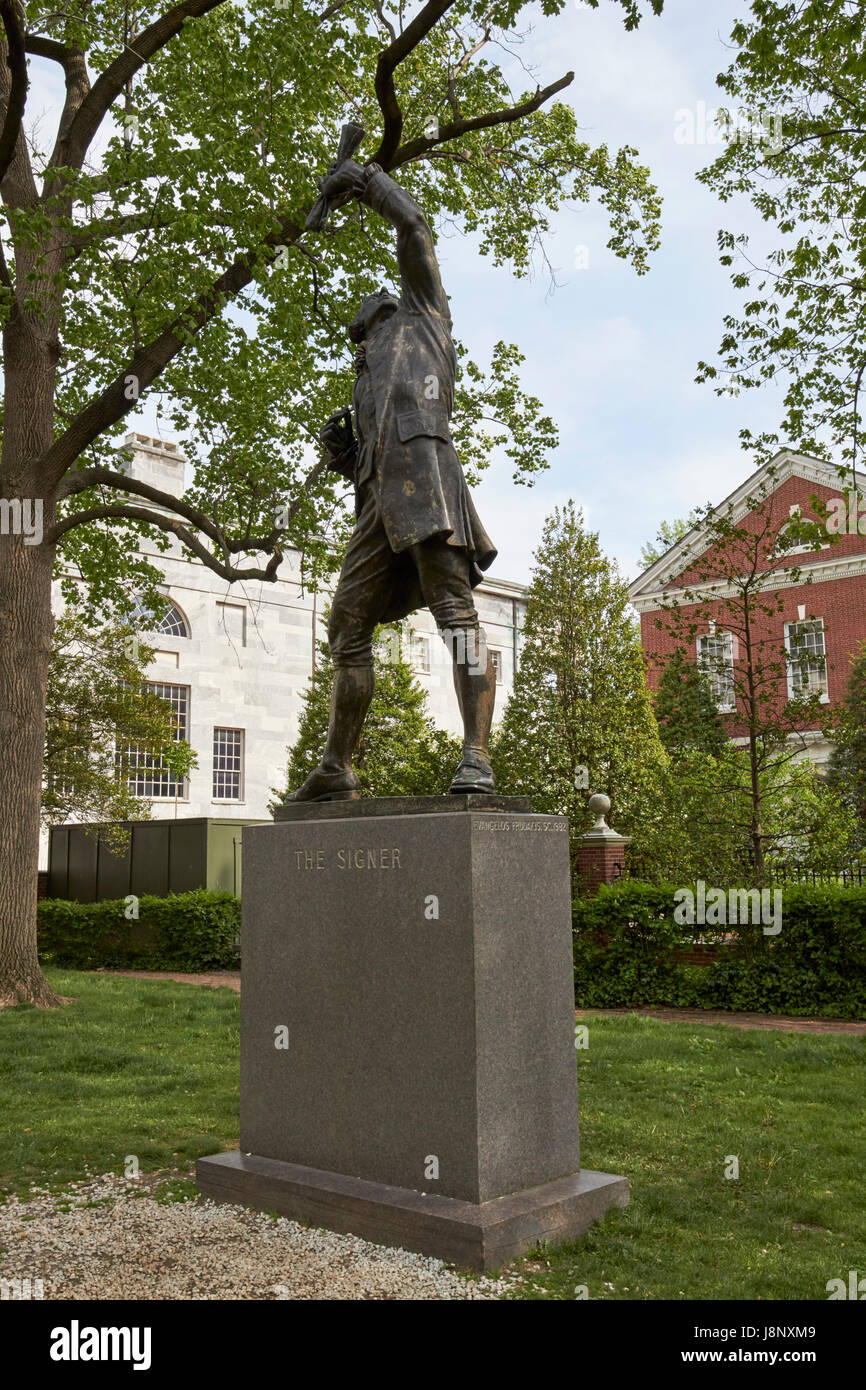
(599, 806)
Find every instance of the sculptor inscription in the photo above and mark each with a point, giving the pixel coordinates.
(539, 824)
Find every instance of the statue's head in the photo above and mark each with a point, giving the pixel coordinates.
(373, 309)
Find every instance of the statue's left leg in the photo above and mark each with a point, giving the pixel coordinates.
(444, 573)
(475, 683)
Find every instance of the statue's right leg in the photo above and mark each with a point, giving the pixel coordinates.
(364, 590)
(351, 694)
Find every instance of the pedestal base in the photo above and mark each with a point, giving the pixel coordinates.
(481, 1237)
(408, 1069)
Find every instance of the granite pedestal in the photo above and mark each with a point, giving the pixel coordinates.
(407, 1029)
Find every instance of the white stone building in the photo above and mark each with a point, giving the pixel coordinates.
(235, 659)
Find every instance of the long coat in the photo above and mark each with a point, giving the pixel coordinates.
(412, 365)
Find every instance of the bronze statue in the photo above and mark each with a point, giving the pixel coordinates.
(417, 539)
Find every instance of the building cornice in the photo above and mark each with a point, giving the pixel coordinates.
(785, 465)
(507, 588)
(846, 567)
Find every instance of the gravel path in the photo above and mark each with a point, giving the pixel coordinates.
(214, 979)
(131, 1246)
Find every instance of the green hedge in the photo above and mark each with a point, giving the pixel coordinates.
(184, 931)
(626, 940)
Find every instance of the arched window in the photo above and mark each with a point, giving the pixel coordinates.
(174, 624)
(171, 624)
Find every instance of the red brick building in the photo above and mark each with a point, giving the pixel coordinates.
(825, 618)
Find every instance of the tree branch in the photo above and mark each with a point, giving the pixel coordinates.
(74, 64)
(112, 227)
(41, 47)
(109, 228)
(469, 54)
(386, 23)
(106, 477)
(173, 527)
(332, 10)
(16, 99)
(113, 403)
(72, 147)
(415, 148)
(389, 60)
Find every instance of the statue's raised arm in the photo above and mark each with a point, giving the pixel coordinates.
(419, 269)
(420, 281)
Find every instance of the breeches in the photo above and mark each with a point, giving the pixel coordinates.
(376, 585)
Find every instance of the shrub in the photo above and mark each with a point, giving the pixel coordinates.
(183, 931)
(626, 942)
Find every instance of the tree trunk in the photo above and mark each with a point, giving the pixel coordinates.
(756, 832)
(26, 626)
(25, 640)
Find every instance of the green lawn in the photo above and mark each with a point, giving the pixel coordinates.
(133, 1067)
(151, 1068)
(664, 1104)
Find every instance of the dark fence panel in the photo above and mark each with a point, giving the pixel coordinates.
(845, 874)
(775, 872)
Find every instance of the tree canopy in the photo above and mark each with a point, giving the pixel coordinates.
(176, 187)
(153, 248)
(668, 533)
(99, 708)
(579, 718)
(847, 768)
(796, 85)
(685, 708)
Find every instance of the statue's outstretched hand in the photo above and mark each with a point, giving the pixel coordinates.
(343, 181)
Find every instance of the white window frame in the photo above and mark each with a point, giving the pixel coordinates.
(795, 511)
(145, 617)
(175, 612)
(497, 665)
(712, 672)
(421, 652)
(178, 791)
(793, 669)
(239, 772)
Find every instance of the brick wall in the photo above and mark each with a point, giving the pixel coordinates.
(599, 862)
(840, 601)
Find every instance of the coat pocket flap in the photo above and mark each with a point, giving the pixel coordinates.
(413, 423)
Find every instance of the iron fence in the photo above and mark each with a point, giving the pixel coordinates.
(852, 873)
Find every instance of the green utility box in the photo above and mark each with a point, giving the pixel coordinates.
(161, 856)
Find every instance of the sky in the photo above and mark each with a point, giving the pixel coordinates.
(612, 355)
